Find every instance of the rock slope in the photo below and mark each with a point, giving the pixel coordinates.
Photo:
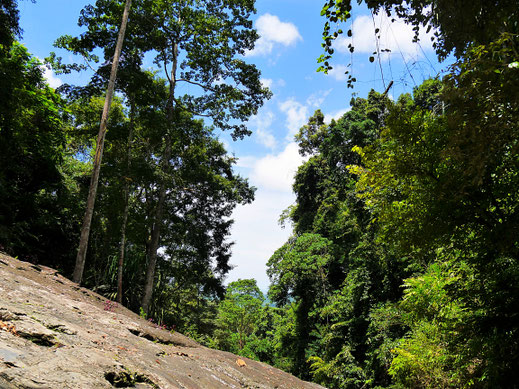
(54, 334)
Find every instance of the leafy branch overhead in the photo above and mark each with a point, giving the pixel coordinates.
(455, 26)
(227, 90)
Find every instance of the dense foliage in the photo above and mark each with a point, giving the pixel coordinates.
(162, 167)
(402, 270)
(37, 195)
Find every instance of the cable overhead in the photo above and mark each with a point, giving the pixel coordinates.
(377, 43)
(426, 57)
(402, 55)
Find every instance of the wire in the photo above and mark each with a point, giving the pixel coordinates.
(426, 57)
(402, 55)
(377, 42)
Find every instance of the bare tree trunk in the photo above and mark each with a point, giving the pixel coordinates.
(126, 207)
(155, 235)
(87, 220)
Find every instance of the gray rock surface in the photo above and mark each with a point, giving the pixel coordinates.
(54, 334)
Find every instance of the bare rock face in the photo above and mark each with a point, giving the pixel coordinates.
(54, 334)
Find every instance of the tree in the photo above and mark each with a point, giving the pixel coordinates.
(207, 60)
(202, 192)
(440, 183)
(85, 113)
(239, 314)
(38, 184)
(85, 229)
(229, 89)
(9, 23)
(338, 348)
(299, 271)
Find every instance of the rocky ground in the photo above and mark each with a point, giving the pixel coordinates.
(54, 334)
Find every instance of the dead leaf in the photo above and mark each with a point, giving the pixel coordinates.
(8, 328)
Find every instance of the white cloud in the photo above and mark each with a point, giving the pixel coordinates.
(272, 32)
(49, 75)
(266, 138)
(226, 144)
(317, 99)
(261, 124)
(396, 36)
(270, 83)
(267, 82)
(246, 162)
(339, 72)
(256, 230)
(53, 81)
(257, 235)
(336, 115)
(275, 172)
(297, 115)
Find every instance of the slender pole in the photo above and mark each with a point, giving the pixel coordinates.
(92, 191)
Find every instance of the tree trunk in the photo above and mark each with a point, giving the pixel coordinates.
(87, 220)
(126, 207)
(155, 234)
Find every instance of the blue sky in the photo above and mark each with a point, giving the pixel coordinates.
(286, 54)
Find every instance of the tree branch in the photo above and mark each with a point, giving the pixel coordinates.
(197, 84)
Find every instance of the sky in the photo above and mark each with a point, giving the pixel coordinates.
(286, 53)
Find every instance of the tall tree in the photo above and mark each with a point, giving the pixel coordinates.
(331, 340)
(210, 59)
(202, 192)
(440, 182)
(9, 23)
(127, 179)
(299, 272)
(85, 229)
(437, 182)
(198, 43)
(37, 183)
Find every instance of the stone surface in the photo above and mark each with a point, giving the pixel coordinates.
(54, 334)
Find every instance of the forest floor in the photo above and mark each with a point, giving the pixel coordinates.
(55, 334)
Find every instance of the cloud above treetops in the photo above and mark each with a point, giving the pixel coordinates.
(273, 32)
(392, 34)
(261, 128)
(256, 231)
(49, 76)
(297, 113)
